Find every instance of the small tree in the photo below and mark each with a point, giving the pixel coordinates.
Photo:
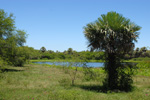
(70, 51)
(43, 49)
(137, 53)
(116, 35)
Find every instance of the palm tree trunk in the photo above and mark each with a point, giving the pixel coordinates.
(112, 71)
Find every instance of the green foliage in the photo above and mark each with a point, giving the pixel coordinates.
(143, 69)
(65, 82)
(48, 55)
(70, 51)
(61, 56)
(140, 59)
(91, 74)
(83, 55)
(14, 55)
(2, 64)
(125, 80)
(20, 57)
(21, 37)
(68, 69)
(143, 65)
(6, 24)
(66, 55)
(10, 40)
(142, 53)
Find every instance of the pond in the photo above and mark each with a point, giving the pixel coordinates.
(78, 64)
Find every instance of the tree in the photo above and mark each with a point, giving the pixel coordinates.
(143, 49)
(6, 30)
(70, 51)
(137, 52)
(50, 51)
(21, 37)
(143, 52)
(116, 35)
(43, 49)
(10, 38)
(6, 25)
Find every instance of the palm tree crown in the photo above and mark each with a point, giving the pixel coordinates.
(112, 32)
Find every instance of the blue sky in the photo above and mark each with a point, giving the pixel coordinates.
(58, 24)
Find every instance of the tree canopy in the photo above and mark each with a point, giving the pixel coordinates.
(10, 38)
(43, 49)
(112, 32)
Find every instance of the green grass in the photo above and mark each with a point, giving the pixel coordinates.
(138, 60)
(42, 82)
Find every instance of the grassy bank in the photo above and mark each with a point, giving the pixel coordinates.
(42, 82)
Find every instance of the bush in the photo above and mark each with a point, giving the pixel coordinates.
(125, 73)
(47, 55)
(89, 74)
(143, 65)
(2, 64)
(65, 82)
(19, 61)
(19, 57)
(124, 77)
(93, 74)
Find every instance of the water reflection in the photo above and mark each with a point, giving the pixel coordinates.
(79, 64)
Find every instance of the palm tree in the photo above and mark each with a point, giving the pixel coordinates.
(116, 35)
(70, 51)
(43, 49)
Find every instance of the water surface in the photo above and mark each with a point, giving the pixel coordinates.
(78, 64)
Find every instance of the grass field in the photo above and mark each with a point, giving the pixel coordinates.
(42, 82)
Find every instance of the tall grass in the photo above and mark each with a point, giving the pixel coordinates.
(42, 82)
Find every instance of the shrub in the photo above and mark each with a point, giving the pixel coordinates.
(65, 82)
(19, 61)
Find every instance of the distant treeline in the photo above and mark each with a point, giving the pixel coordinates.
(138, 52)
(33, 54)
(67, 54)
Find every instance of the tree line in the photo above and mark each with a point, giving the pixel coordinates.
(44, 54)
(137, 52)
(83, 55)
